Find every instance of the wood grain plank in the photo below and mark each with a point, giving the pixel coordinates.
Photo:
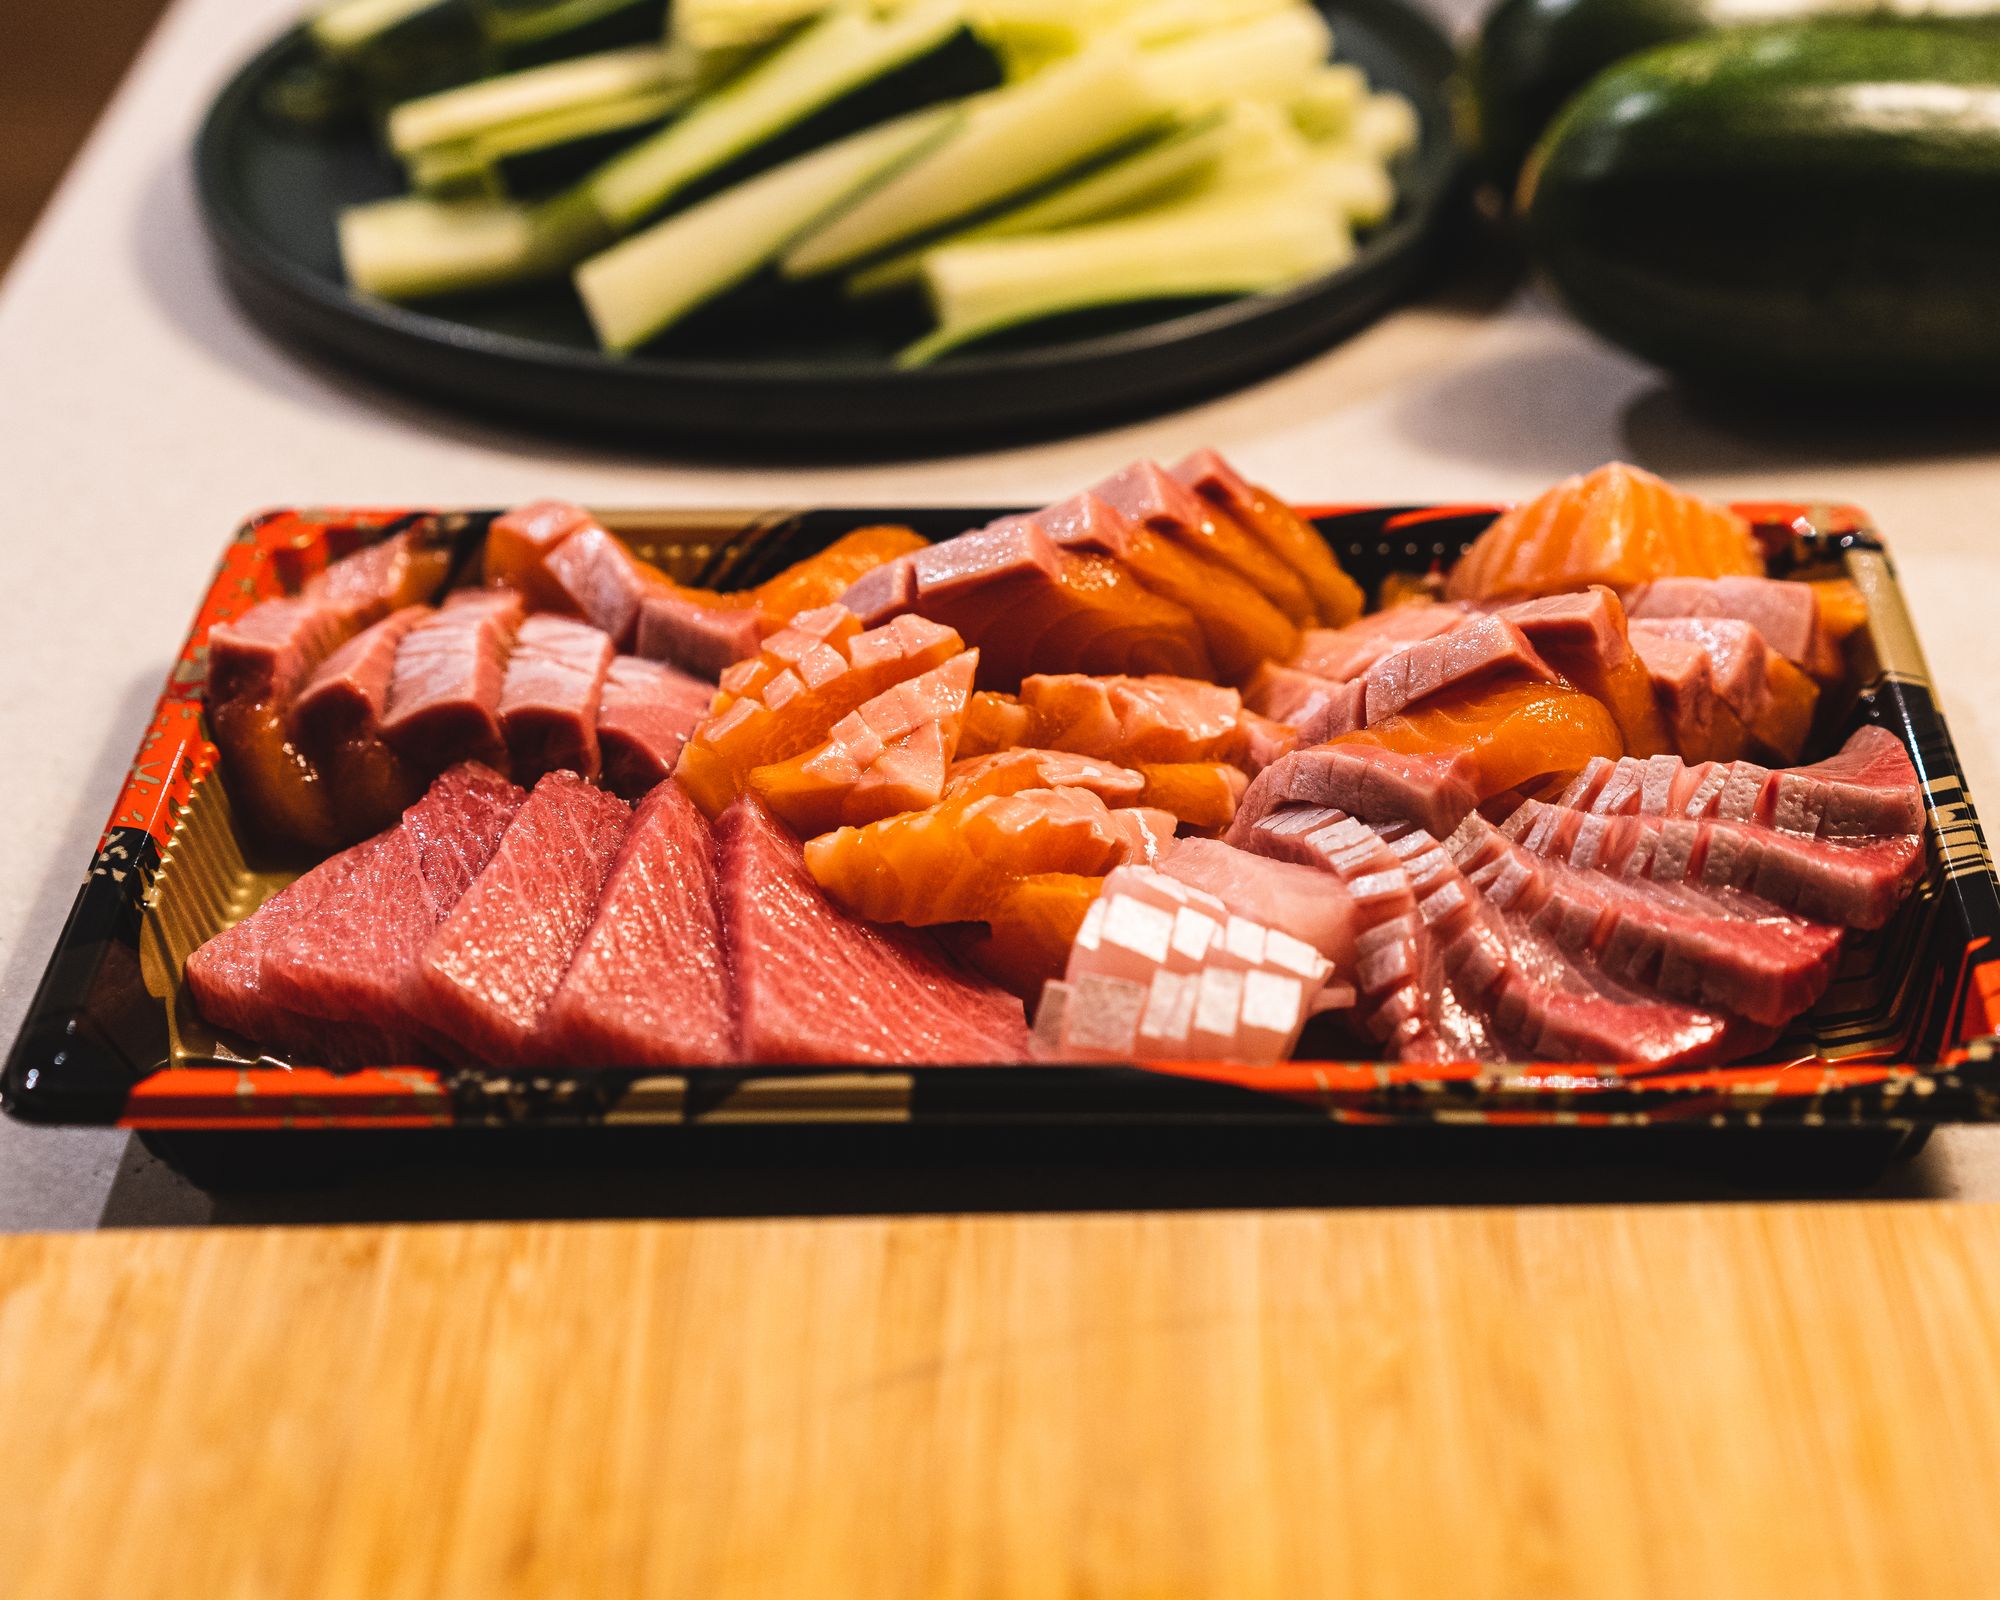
(1713, 1401)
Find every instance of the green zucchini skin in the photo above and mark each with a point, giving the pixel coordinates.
(1796, 206)
(1532, 55)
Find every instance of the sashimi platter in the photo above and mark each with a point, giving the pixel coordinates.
(1614, 803)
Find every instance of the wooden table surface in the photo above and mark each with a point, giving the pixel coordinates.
(1682, 1401)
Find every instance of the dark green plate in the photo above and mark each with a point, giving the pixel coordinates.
(795, 373)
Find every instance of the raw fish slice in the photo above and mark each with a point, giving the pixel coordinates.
(1283, 531)
(1772, 698)
(1132, 720)
(519, 542)
(1512, 734)
(694, 634)
(337, 722)
(1700, 725)
(444, 692)
(1030, 928)
(347, 963)
(1735, 953)
(1859, 882)
(950, 863)
(994, 722)
(595, 577)
(1290, 696)
(1786, 614)
(1010, 771)
(812, 984)
(808, 676)
(821, 579)
(489, 970)
(225, 977)
(1202, 795)
(1479, 647)
(1368, 781)
(648, 987)
(404, 569)
(1619, 526)
(550, 696)
(1279, 894)
(1214, 985)
(1152, 497)
(645, 715)
(1239, 625)
(1348, 652)
(1584, 636)
(890, 755)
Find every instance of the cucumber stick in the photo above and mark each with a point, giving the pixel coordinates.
(342, 26)
(1242, 243)
(446, 168)
(840, 52)
(1271, 58)
(1012, 140)
(1166, 165)
(414, 246)
(715, 24)
(647, 282)
(479, 108)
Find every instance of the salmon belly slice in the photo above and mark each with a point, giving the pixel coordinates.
(1011, 771)
(1136, 720)
(1514, 733)
(1202, 795)
(1619, 526)
(808, 676)
(890, 755)
(952, 862)
(1030, 929)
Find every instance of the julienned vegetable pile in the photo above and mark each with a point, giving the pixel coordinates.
(1006, 160)
(1806, 203)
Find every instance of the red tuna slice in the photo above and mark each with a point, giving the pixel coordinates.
(269, 652)
(813, 984)
(1378, 786)
(225, 977)
(646, 713)
(695, 636)
(444, 693)
(1153, 498)
(1282, 530)
(550, 695)
(347, 962)
(1718, 949)
(1856, 882)
(1344, 653)
(337, 721)
(1477, 647)
(1785, 613)
(366, 586)
(647, 987)
(1291, 696)
(1544, 1002)
(1771, 698)
(1285, 895)
(598, 579)
(489, 970)
(880, 594)
(519, 541)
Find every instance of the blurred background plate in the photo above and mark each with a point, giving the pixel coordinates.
(271, 189)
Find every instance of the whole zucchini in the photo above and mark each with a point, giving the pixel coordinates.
(1532, 55)
(1803, 205)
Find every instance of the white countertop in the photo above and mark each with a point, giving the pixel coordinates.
(141, 417)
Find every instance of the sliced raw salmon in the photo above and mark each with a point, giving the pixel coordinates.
(808, 676)
(890, 755)
(994, 721)
(1281, 530)
(1619, 525)
(1135, 719)
(1011, 771)
(1514, 733)
(1030, 930)
(951, 862)
(1203, 795)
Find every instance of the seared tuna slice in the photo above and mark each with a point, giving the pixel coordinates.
(1365, 781)
(644, 716)
(347, 962)
(488, 971)
(550, 694)
(648, 987)
(444, 694)
(812, 984)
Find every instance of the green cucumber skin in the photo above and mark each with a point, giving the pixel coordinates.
(1792, 207)
(1532, 55)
